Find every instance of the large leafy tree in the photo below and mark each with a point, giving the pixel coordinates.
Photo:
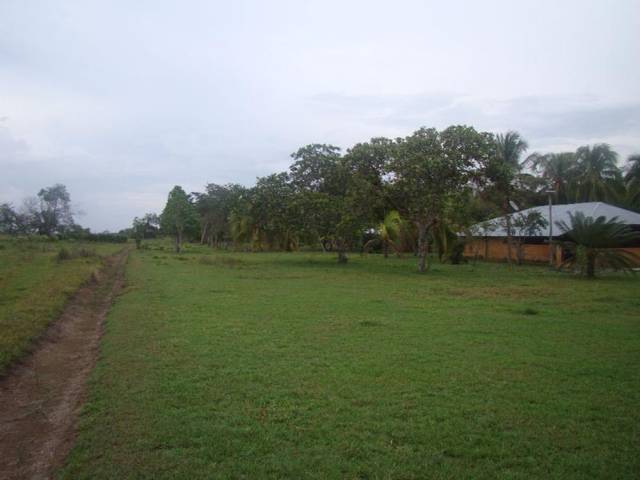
(179, 216)
(214, 207)
(367, 164)
(321, 183)
(272, 208)
(596, 242)
(428, 169)
(597, 173)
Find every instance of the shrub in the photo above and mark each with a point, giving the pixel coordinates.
(86, 252)
(595, 243)
(456, 257)
(222, 261)
(63, 254)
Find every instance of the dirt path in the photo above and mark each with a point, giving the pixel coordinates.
(41, 397)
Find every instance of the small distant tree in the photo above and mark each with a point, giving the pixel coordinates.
(9, 219)
(145, 227)
(526, 225)
(55, 209)
(178, 216)
(595, 243)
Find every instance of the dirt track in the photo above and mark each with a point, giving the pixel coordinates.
(40, 397)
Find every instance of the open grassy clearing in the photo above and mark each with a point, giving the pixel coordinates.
(34, 287)
(291, 366)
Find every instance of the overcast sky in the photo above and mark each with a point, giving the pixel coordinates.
(121, 100)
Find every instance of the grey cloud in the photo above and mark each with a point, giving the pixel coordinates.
(121, 100)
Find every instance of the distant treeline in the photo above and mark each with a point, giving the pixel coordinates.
(50, 215)
(402, 194)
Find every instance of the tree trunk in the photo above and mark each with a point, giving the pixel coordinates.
(519, 252)
(342, 253)
(423, 247)
(591, 266)
(204, 234)
(508, 225)
(178, 241)
(138, 242)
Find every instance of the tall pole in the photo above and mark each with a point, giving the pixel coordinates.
(550, 192)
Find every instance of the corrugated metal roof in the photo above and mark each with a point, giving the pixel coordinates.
(495, 228)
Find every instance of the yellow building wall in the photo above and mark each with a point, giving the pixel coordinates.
(496, 249)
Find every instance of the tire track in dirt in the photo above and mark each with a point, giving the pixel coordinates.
(40, 397)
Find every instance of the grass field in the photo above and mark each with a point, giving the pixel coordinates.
(34, 287)
(291, 366)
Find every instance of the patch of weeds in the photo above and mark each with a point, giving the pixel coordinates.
(83, 252)
(230, 262)
(369, 323)
(63, 254)
(606, 299)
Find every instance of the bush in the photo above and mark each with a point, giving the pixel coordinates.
(84, 252)
(230, 262)
(63, 254)
(456, 257)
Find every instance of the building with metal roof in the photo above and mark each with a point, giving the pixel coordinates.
(496, 227)
(532, 245)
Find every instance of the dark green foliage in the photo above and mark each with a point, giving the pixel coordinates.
(179, 217)
(54, 213)
(63, 254)
(595, 244)
(456, 256)
(441, 183)
(559, 172)
(597, 173)
(429, 169)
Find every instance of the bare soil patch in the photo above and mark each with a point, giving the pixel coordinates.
(40, 397)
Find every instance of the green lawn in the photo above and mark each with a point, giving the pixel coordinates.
(34, 287)
(291, 366)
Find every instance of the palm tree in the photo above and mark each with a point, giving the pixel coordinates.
(598, 174)
(388, 233)
(633, 169)
(509, 148)
(596, 243)
(558, 169)
(631, 197)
